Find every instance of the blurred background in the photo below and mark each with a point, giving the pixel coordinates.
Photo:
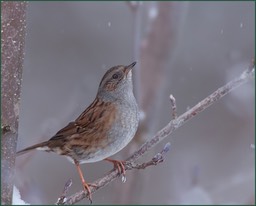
(188, 49)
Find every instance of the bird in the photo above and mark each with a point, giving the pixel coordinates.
(104, 128)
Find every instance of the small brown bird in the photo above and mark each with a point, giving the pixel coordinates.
(103, 129)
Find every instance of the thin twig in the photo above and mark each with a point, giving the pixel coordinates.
(174, 107)
(167, 130)
(62, 198)
(158, 158)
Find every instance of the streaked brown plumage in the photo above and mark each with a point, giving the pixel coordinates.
(103, 129)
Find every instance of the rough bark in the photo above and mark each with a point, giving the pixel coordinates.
(13, 19)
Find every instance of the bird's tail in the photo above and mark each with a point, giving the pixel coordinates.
(40, 146)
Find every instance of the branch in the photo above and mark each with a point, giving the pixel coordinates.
(166, 131)
(201, 106)
(158, 158)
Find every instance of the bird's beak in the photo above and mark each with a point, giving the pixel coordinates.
(129, 67)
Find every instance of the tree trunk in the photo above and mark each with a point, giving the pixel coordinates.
(13, 17)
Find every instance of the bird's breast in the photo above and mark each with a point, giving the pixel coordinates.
(125, 126)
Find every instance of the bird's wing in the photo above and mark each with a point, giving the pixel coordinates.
(96, 119)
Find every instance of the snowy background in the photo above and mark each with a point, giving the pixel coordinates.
(69, 46)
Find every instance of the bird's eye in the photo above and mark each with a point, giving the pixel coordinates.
(115, 76)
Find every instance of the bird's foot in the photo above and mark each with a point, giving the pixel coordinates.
(120, 167)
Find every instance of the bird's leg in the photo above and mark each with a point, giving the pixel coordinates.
(86, 186)
(120, 167)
